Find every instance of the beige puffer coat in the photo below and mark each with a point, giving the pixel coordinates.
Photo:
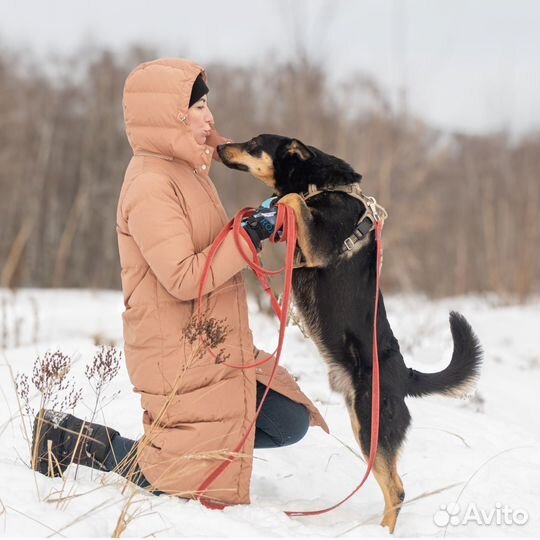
(169, 212)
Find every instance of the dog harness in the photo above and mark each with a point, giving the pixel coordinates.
(366, 222)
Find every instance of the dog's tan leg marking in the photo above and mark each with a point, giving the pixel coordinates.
(304, 221)
(355, 423)
(385, 471)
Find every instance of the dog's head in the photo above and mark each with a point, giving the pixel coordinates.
(286, 165)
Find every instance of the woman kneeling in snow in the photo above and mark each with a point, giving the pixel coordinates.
(195, 409)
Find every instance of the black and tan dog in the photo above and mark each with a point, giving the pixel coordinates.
(334, 293)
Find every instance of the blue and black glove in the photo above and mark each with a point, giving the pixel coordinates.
(261, 224)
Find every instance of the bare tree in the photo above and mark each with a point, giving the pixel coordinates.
(464, 210)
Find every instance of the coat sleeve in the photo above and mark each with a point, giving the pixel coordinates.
(156, 220)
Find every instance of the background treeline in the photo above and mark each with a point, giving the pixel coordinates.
(464, 210)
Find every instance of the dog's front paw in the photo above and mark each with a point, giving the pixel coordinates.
(294, 201)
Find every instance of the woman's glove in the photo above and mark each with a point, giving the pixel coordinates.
(261, 224)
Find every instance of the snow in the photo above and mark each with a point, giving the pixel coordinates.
(481, 452)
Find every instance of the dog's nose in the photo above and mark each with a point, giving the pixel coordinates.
(222, 151)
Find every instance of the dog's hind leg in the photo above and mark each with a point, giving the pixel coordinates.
(394, 420)
(385, 471)
(355, 422)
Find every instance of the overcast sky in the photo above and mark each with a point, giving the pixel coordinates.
(472, 65)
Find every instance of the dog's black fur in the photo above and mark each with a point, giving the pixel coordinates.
(335, 294)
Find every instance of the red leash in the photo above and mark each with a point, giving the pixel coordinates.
(285, 220)
(375, 389)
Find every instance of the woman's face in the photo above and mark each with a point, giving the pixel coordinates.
(200, 120)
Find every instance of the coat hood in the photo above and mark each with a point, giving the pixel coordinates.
(156, 101)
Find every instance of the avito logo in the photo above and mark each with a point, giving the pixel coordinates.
(451, 514)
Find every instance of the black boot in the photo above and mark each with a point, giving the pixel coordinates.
(59, 439)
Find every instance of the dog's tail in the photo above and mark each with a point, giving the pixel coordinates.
(463, 370)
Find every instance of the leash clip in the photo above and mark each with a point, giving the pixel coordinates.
(378, 212)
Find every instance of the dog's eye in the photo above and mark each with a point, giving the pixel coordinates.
(251, 147)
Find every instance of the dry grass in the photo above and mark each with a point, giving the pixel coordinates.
(55, 531)
(457, 436)
(125, 518)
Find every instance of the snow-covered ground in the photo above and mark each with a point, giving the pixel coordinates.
(478, 458)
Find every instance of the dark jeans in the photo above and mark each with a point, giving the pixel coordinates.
(281, 422)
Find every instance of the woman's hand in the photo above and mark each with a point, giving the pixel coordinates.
(215, 139)
(261, 224)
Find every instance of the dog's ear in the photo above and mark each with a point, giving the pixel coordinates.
(299, 149)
